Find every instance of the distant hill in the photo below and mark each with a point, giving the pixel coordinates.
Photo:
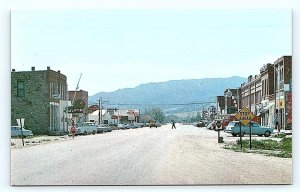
(169, 95)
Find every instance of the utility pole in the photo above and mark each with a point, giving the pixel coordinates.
(100, 109)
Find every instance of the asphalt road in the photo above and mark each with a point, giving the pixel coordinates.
(144, 156)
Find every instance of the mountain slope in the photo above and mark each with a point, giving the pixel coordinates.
(163, 94)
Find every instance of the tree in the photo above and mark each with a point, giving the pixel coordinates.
(155, 114)
(198, 116)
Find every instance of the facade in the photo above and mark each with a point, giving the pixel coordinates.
(40, 97)
(251, 94)
(220, 104)
(232, 101)
(267, 96)
(79, 100)
(115, 116)
(283, 92)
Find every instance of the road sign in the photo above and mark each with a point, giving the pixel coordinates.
(21, 122)
(244, 116)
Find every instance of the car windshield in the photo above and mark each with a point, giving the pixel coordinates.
(232, 123)
(17, 128)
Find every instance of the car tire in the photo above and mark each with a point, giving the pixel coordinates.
(234, 134)
(242, 134)
(267, 134)
(85, 133)
(94, 132)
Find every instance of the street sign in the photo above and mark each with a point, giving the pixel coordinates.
(21, 122)
(244, 116)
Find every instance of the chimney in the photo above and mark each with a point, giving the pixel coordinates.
(249, 78)
(48, 68)
(32, 68)
(58, 71)
(13, 70)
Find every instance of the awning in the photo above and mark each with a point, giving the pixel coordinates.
(265, 109)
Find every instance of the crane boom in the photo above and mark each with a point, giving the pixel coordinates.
(77, 87)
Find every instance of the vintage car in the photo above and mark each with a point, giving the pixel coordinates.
(16, 131)
(103, 128)
(85, 128)
(234, 128)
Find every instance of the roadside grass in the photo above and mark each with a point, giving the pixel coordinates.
(282, 148)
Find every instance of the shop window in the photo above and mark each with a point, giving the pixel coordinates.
(20, 89)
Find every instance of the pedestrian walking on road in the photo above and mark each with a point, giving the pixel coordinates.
(173, 125)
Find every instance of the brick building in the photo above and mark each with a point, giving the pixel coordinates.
(267, 95)
(251, 94)
(39, 97)
(283, 92)
(232, 101)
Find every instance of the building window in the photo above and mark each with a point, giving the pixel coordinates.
(20, 89)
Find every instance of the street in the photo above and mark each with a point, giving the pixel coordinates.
(158, 156)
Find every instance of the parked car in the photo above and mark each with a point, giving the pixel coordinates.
(114, 126)
(234, 128)
(16, 131)
(200, 124)
(103, 128)
(153, 124)
(85, 128)
(211, 125)
(121, 126)
(131, 126)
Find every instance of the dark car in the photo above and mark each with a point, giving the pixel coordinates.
(200, 124)
(153, 124)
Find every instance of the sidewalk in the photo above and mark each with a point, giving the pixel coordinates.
(36, 140)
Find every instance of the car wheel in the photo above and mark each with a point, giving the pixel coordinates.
(94, 132)
(234, 134)
(85, 133)
(242, 134)
(267, 134)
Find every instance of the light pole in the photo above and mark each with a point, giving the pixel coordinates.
(238, 99)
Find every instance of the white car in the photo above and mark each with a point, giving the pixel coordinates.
(86, 128)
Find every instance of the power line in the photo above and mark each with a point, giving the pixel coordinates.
(164, 104)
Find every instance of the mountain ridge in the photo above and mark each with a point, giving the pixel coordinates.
(169, 92)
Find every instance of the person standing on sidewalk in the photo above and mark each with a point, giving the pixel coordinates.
(173, 125)
(73, 129)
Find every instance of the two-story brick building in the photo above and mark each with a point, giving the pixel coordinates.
(267, 95)
(40, 97)
(283, 92)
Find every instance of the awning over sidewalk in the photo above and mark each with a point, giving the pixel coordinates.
(265, 109)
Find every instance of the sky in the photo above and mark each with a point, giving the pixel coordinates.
(122, 48)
